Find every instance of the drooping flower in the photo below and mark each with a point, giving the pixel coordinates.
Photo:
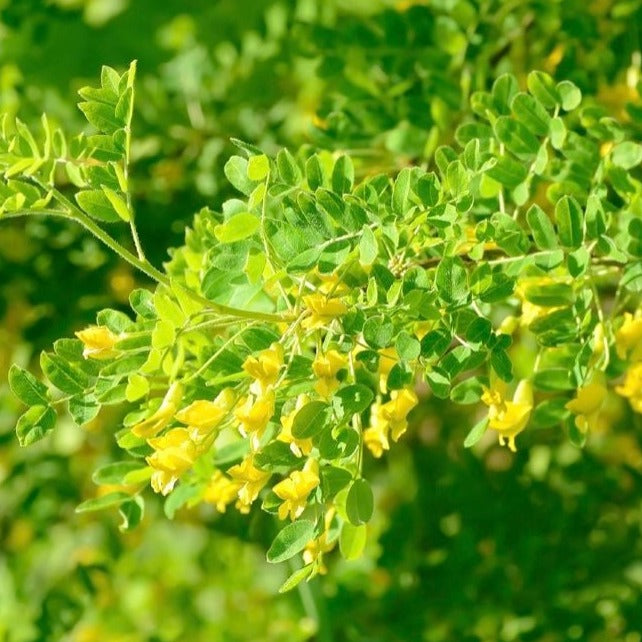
(264, 368)
(250, 479)
(388, 358)
(99, 342)
(632, 386)
(325, 367)
(221, 491)
(587, 405)
(322, 310)
(202, 416)
(395, 411)
(628, 339)
(174, 453)
(298, 446)
(295, 488)
(254, 415)
(163, 415)
(375, 436)
(315, 548)
(509, 418)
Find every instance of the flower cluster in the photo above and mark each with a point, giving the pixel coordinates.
(628, 341)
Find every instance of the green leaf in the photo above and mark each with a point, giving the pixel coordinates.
(314, 172)
(508, 172)
(352, 399)
(541, 228)
(26, 387)
(115, 472)
(627, 155)
(378, 332)
(119, 205)
(569, 94)
(63, 375)
(359, 502)
(352, 541)
(368, 247)
(451, 280)
(101, 116)
(531, 114)
(569, 218)
(401, 191)
(343, 175)
(83, 409)
(258, 167)
(333, 480)
(35, 424)
(104, 501)
(290, 541)
(96, 204)
(236, 173)
(542, 87)
(517, 138)
(288, 168)
(476, 433)
(310, 420)
(296, 578)
(131, 513)
(408, 347)
(178, 498)
(468, 391)
(439, 383)
(237, 228)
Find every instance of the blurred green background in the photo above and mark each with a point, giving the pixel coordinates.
(466, 546)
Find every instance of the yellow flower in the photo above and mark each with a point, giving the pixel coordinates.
(163, 415)
(325, 367)
(264, 368)
(221, 491)
(99, 342)
(509, 418)
(587, 405)
(175, 452)
(315, 548)
(396, 410)
(294, 490)
(254, 415)
(632, 386)
(202, 416)
(388, 358)
(322, 309)
(250, 479)
(375, 437)
(628, 339)
(297, 446)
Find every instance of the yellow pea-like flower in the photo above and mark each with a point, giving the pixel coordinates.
(298, 446)
(295, 488)
(315, 548)
(628, 339)
(174, 453)
(264, 368)
(375, 436)
(388, 358)
(203, 415)
(254, 415)
(221, 491)
(587, 405)
(163, 415)
(251, 481)
(395, 411)
(509, 418)
(632, 386)
(98, 342)
(325, 367)
(322, 310)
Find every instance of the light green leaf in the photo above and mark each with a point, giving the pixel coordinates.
(26, 387)
(104, 501)
(237, 228)
(570, 95)
(35, 424)
(368, 247)
(352, 541)
(627, 155)
(359, 502)
(310, 420)
(476, 433)
(96, 204)
(290, 541)
(258, 167)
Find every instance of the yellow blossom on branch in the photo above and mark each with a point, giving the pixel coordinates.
(509, 418)
(202, 416)
(264, 368)
(298, 446)
(325, 367)
(587, 405)
(174, 453)
(254, 415)
(315, 548)
(221, 491)
(375, 436)
(628, 339)
(250, 481)
(295, 488)
(163, 415)
(388, 358)
(395, 411)
(98, 342)
(632, 386)
(322, 310)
